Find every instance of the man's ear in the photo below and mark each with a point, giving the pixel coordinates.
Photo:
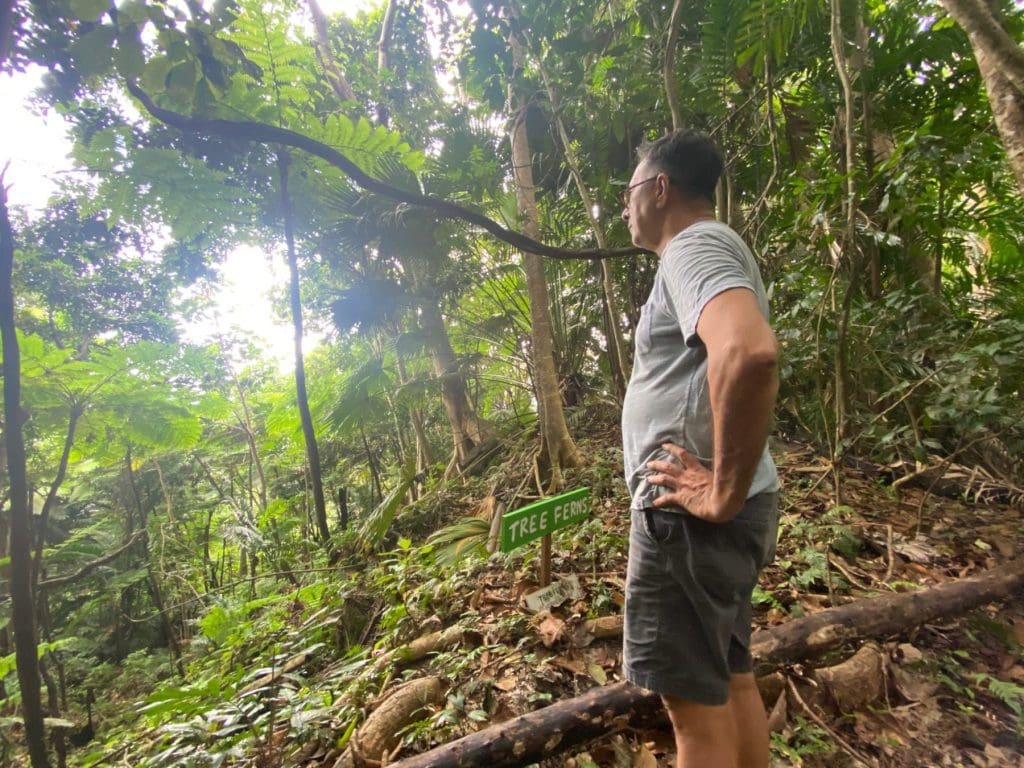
(663, 190)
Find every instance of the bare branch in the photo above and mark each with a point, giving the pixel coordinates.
(85, 570)
(268, 134)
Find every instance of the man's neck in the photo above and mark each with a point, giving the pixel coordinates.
(683, 217)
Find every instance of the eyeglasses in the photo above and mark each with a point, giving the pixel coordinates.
(628, 191)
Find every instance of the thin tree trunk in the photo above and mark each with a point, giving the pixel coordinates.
(386, 30)
(669, 66)
(250, 439)
(312, 451)
(154, 587)
(51, 496)
(60, 746)
(343, 508)
(337, 80)
(849, 241)
(862, 59)
(557, 449)
(468, 429)
(618, 362)
(374, 472)
(416, 418)
(20, 583)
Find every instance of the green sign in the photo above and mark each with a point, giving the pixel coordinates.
(542, 517)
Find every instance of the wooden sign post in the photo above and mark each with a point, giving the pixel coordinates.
(540, 520)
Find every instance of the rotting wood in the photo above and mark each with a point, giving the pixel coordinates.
(525, 739)
(869, 617)
(880, 616)
(554, 729)
(857, 682)
(380, 734)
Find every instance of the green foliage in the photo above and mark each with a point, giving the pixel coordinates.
(812, 540)
(8, 663)
(1011, 694)
(211, 459)
(806, 741)
(464, 538)
(375, 526)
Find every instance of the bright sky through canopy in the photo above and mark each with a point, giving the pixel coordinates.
(38, 149)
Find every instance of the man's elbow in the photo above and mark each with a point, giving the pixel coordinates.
(766, 355)
(758, 357)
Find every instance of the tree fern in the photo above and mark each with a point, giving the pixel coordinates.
(265, 35)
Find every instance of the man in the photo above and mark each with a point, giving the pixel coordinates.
(704, 489)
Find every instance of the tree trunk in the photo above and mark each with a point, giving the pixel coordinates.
(371, 460)
(669, 66)
(557, 449)
(423, 456)
(1001, 63)
(151, 582)
(337, 80)
(250, 439)
(546, 732)
(849, 246)
(978, 19)
(618, 362)
(51, 496)
(60, 746)
(312, 451)
(384, 43)
(20, 584)
(468, 429)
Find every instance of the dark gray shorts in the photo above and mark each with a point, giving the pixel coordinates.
(688, 590)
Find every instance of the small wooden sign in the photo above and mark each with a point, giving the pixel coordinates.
(554, 594)
(542, 517)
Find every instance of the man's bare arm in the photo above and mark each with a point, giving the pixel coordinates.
(743, 383)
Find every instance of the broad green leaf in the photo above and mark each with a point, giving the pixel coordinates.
(130, 61)
(181, 80)
(89, 10)
(376, 524)
(93, 51)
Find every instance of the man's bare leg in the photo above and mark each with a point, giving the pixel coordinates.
(733, 735)
(753, 744)
(705, 735)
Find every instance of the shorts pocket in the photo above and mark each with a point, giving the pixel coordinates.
(660, 526)
(727, 557)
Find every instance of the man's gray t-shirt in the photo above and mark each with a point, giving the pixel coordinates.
(668, 399)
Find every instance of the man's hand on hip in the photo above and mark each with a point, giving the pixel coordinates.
(690, 485)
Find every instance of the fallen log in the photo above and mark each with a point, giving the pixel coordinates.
(290, 665)
(553, 729)
(373, 742)
(874, 617)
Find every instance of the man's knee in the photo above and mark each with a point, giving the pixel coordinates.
(699, 721)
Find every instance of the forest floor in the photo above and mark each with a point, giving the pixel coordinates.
(953, 690)
(949, 692)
